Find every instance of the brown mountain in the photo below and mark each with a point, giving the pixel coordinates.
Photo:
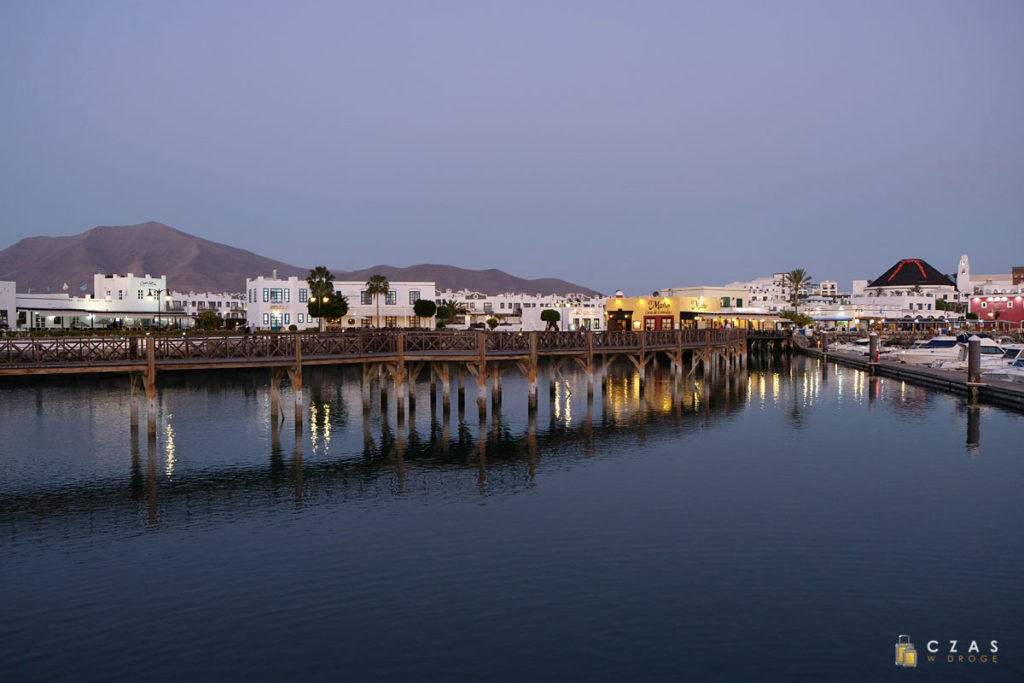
(192, 263)
(491, 281)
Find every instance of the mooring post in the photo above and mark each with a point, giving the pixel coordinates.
(973, 368)
(873, 352)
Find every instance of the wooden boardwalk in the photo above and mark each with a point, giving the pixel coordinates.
(400, 356)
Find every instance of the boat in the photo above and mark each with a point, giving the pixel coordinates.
(1012, 373)
(941, 348)
(1006, 366)
(860, 347)
(992, 356)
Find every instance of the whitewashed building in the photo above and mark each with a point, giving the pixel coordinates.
(8, 305)
(229, 307)
(272, 304)
(517, 312)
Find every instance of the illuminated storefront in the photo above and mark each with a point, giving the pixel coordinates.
(682, 312)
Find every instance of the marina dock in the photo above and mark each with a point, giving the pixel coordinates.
(994, 391)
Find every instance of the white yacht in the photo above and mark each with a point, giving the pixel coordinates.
(1009, 366)
(992, 356)
(941, 348)
(1012, 373)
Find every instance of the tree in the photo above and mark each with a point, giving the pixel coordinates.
(424, 308)
(321, 290)
(798, 319)
(375, 286)
(492, 323)
(336, 306)
(208, 320)
(797, 279)
(447, 310)
(551, 317)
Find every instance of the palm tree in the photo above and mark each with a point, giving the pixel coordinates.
(797, 279)
(375, 286)
(448, 309)
(321, 288)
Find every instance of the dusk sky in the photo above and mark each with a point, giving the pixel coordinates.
(624, 145)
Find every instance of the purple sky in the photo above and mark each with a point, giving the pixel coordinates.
(618, 145)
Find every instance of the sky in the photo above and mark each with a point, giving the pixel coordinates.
(617, 145)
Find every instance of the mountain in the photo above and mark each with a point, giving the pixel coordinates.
(189, 262)
(491, 281)
(195, 264)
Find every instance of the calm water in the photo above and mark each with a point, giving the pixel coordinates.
(785, 526)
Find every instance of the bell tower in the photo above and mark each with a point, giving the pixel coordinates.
(963, 276)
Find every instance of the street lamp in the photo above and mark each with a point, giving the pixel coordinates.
(320, 301)
(159, 301)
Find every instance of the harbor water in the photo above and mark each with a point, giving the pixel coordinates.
(786, 523)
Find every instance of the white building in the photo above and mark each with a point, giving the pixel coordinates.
(272, 303)
(517, 312)
(8, 305)
(130, 292)
(230, 307)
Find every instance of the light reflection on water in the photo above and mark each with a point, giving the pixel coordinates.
(642, 533)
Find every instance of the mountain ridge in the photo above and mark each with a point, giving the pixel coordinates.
(193, 263)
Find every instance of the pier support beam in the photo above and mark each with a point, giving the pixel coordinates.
(149, 380)
(295, 375)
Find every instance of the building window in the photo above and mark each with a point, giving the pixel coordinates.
(301, 318)
(266, 318)
(414, 296)
(266, 295)
(365, 299)
(984, 304)
(597, 323)
(1009, 304)
(366, 322)
(279, 295)
(390, 321)
(287, 318)
(303, 295)
(392, 298)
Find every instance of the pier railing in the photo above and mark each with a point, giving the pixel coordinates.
(42, 352)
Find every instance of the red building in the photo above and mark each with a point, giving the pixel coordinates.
(1008, 309)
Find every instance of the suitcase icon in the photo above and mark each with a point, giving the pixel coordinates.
(906, 655)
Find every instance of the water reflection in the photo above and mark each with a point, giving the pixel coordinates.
(358, 450)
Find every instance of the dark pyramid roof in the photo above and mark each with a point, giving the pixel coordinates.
(910, 272)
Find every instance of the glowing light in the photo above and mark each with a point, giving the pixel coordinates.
(169, 447)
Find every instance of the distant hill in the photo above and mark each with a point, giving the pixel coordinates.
(491, 281)
(196, 264)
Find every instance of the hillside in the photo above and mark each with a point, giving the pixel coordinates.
(193, 263)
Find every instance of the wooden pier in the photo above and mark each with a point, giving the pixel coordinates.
(395, 358)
